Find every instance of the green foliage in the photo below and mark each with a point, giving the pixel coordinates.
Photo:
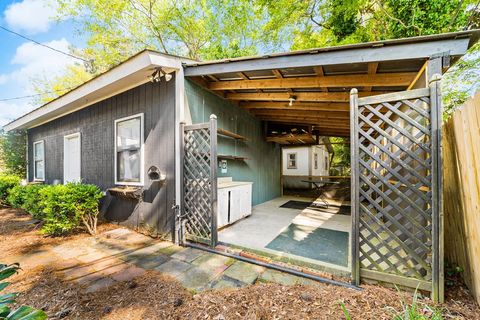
(341, 156)
(67, 206)
(414, 311)
(28, 198)
(13, 150)
(21, 313)
(7, 182)
(345, 311)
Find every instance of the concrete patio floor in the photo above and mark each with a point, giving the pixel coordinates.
(268, 220)
(122, 255)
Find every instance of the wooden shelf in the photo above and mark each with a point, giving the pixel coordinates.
(230, 134)
(231, 157)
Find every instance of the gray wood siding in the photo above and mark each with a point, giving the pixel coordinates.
(96, 126)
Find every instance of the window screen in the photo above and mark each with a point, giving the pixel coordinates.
(128, 149)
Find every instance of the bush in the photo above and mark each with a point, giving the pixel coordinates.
(7, 182)
(16, 196)
(32, 200)
(68, 206)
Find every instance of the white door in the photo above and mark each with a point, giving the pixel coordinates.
(71, 158)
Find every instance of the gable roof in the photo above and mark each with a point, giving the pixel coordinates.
(131, 73)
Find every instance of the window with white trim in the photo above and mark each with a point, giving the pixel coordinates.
(292, 161)
(129, 150)
(39, 160)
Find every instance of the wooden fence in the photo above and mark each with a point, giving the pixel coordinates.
(461, 167)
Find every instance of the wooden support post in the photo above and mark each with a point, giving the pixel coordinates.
(355, 182)
(213, 177)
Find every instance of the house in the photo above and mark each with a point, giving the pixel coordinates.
(152, 130)
(303, 162)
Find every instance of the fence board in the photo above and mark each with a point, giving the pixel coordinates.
(461, 166)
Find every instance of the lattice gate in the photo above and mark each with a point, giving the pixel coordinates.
(396, 188)
(198, 218)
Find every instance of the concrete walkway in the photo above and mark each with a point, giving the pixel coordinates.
(122, 255)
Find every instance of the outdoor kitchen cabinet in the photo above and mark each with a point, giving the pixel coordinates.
(234, 201)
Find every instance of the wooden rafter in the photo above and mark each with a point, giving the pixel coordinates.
(339, 81)
(297, 105)
(304, 113)
(300, 96)
(372, 69)
(319, 71)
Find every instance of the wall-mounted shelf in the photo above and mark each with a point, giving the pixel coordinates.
(231, 157)
(230, 134)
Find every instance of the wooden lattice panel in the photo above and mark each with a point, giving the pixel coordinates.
(199, 182)
(394, 181)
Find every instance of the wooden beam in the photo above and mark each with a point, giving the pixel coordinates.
(303, 113)
(317, 122)
(322, 106)
(372, 69)
(300, 96)
(361, 53)
(319, 71)
(243, 76)
(341, 81)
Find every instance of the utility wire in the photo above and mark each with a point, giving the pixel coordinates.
(34, 95)
(44, 45)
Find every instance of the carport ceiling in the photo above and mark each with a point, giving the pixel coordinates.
(312, 87)
(315, 96)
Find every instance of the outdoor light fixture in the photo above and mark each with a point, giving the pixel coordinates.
(291, 99)
(158, 74)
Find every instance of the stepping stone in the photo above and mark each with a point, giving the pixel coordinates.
(224, 281)
(196, 278)
(188, 254)
(170, 250)
(128, 274)
(244, 272)
(99, 285)
(150, 262)
(279, 277)
(173, 267)
(213, 262)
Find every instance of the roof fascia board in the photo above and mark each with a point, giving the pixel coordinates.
(140, 62)
(387, 52)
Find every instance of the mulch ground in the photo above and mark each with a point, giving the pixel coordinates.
(155, 296)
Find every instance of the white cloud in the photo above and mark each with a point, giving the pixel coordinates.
(33, 62)
(36, 61)
(11, 110)
(31, 16)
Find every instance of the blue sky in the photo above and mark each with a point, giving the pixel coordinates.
(21, 60)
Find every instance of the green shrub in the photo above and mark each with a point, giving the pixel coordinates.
(68, 206)
(33, 201)
(7, 182)
(16, 196)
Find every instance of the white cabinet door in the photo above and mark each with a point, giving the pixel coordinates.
(222, 212)
(71, 158)
(235, 204)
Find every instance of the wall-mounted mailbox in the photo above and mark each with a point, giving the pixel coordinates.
(154, 174)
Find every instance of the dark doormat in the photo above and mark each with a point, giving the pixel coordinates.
(315, 243)
(293, 204)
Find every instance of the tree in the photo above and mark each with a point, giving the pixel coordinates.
(213, 29)
(13, 149)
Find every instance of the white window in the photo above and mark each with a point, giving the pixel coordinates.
(315, 160)
(129, 150)
(39, 160)
(291, 161)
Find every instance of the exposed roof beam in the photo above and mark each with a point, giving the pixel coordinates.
(303, 113)
(319, 71)
(322, 106)
(340, 81)
(299, 96)
(377, 52)
(372, 69)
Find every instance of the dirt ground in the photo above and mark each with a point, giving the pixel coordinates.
(154, 296)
